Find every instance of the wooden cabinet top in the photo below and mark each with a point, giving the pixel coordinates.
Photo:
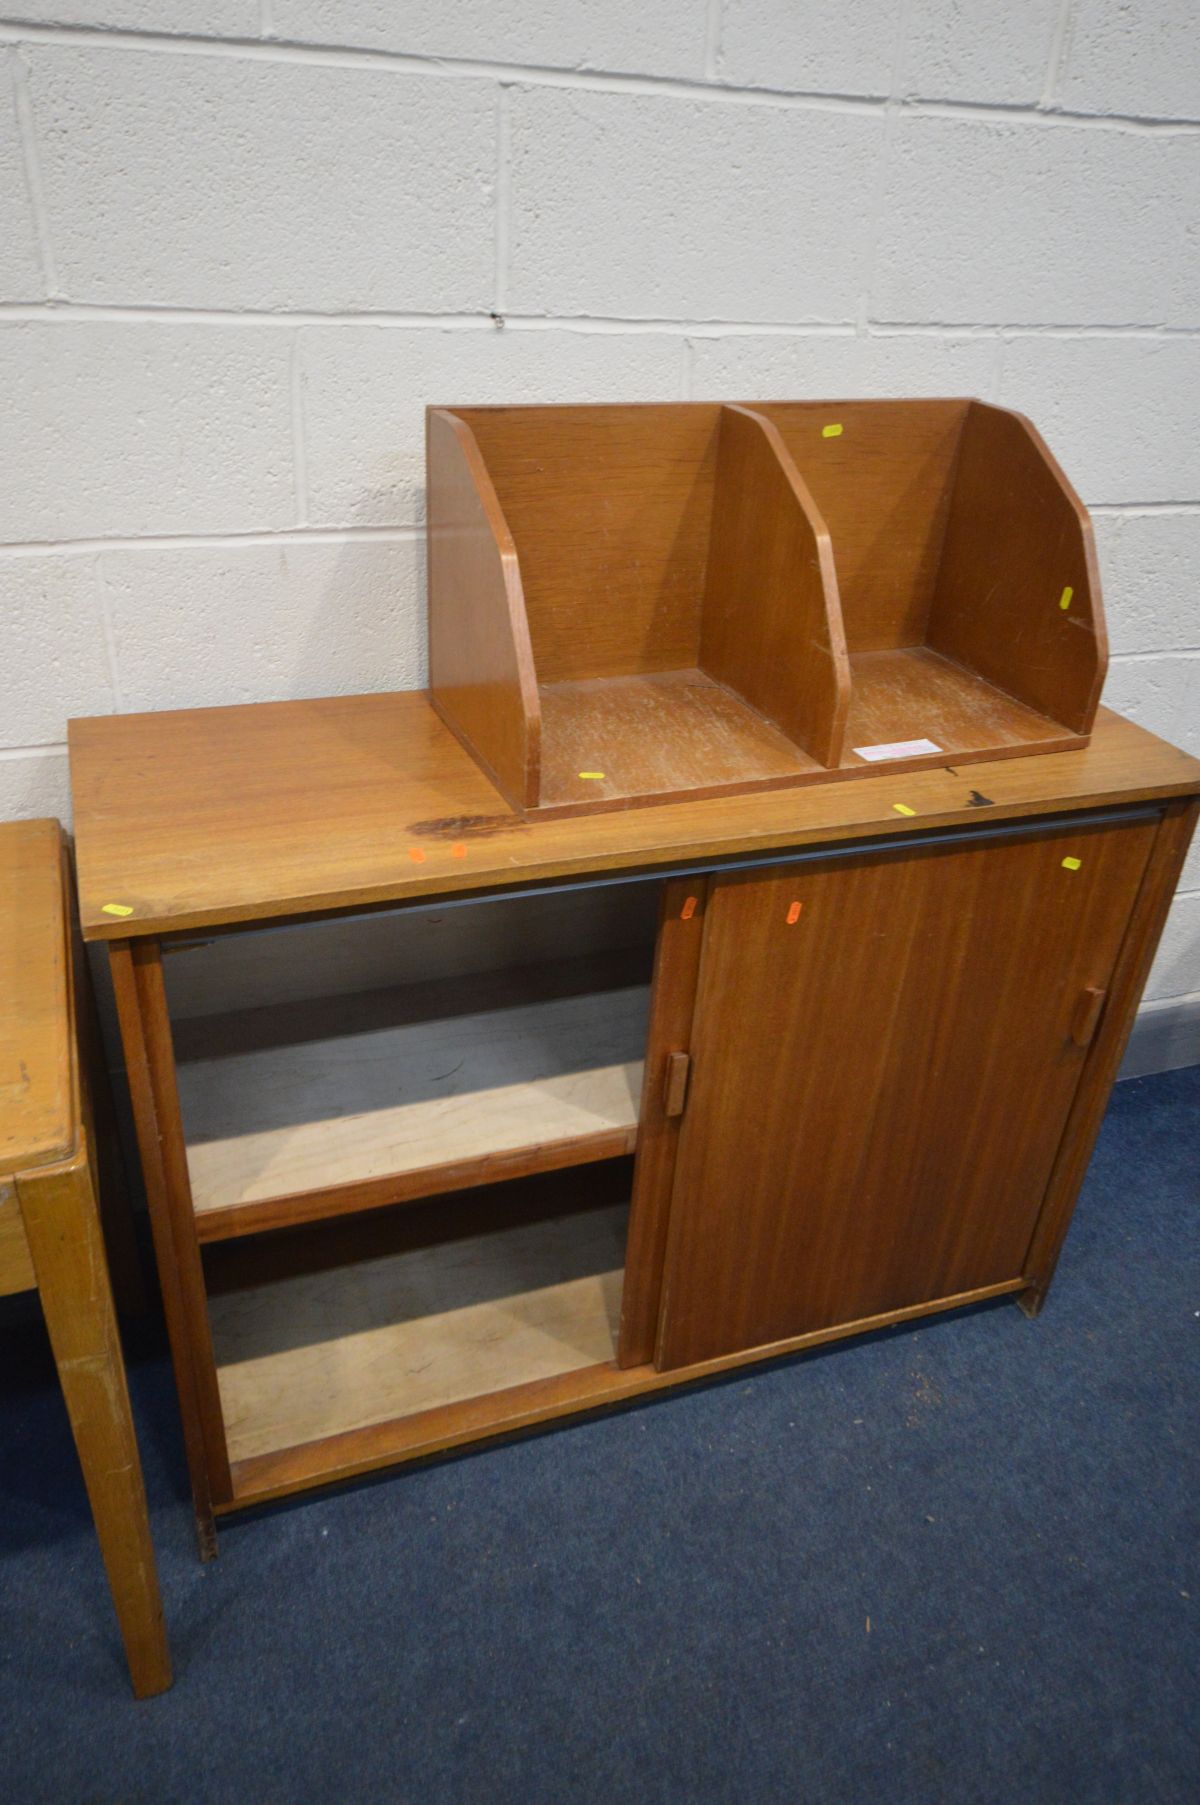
(206, 818)
(38, 1108)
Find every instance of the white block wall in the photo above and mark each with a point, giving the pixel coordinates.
(243, 244)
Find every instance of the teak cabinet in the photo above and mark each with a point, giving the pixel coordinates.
(858, 1038)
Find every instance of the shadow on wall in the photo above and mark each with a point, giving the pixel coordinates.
(365, 630)
(358, 609)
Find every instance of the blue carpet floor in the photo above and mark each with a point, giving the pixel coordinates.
(952, 1562)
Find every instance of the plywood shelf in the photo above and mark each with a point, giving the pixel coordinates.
(913, 693)
(610, 740)
(361, 1103)
(317, 1354)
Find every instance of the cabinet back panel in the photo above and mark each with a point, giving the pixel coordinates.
(609, 508)
(882, 485)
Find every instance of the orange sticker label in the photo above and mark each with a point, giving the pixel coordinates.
(793, 914)
(688, 909)
(458, 850)
(416, 855)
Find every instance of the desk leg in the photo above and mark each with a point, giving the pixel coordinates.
(58, 1205)
(150, 1068)
(100, 1120)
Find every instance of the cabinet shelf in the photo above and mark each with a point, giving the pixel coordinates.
(643, 739)
(312, 1355)
(299, 1113)
(914, 693)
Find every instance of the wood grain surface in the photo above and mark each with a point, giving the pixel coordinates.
(1018, 590)
(481, 675)
(481, 1093)
(614, 740)
(318, 1354)
(204, 818)
(771, 625)
(883, 1062)
(39, 1086)
(882, 485)
(609, 509)
(16, 1262)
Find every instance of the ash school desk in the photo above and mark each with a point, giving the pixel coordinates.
(861, 1054)
(50, 1231)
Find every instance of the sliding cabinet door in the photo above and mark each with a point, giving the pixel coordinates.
(883, 1052)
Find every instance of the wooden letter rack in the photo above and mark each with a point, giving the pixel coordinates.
(638, 603)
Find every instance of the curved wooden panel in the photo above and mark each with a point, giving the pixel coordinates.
(1018, 591)
(772, 627)
(481, 674)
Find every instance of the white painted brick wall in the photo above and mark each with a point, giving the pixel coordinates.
(1119, 410)
(645, 206)
(296, 619)
(1151, 565)
(20, 268)
(129, 427)
(825, 47)
(984, 220)
(213, 181)
(1149, 72)
(964, 50)
(206, 18)
(54, 645)
(851, 365)
(242, 245)
(365, 389)
(644, 37)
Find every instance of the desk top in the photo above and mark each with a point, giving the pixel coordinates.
(203, 818)
(38, 1105)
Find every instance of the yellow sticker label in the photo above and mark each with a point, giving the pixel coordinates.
(117, 909)
(831, 432)
(1072, 864)
(593, 776)
(1064, 600)
(902, 808)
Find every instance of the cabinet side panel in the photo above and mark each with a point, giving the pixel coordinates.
(884, 1055)
(772, 627)
(1018, 591)
(481, 676)
(1104, 1057)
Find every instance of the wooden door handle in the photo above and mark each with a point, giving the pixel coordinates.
(1086, 1018)
(675, 1083)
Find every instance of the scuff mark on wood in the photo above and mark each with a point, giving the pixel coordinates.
(464, 827)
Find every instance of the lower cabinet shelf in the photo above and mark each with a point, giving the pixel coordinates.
(310, 1355)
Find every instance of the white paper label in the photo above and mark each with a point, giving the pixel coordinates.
(897, 749)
